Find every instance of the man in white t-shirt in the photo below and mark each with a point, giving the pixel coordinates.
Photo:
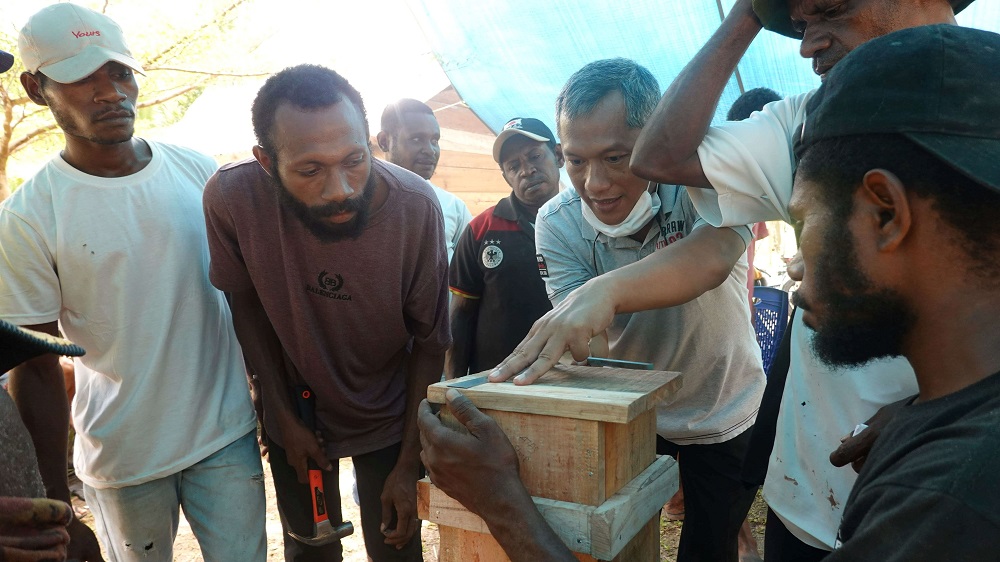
(108, 244)
(747, 168)
(409, 137)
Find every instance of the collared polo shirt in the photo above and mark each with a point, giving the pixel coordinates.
(709, 340)
(496, 263)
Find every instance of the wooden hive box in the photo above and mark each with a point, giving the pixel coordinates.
(586, 441)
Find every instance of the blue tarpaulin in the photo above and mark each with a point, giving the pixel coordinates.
(509, 58)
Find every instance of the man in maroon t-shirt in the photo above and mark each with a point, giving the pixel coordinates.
(336, 267)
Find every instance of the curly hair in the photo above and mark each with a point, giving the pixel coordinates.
(306, 86)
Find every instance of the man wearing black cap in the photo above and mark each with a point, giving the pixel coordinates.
(748, 168)
(496, 277)
(898, 177)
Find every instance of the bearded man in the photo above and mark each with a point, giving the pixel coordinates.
(337, 271)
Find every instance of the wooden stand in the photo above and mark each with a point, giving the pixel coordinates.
(586, 441)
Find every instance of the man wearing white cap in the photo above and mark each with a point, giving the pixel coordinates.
(108, 240)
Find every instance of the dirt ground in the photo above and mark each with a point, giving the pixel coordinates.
(186, 547)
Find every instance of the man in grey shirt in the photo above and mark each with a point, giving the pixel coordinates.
(612, 219)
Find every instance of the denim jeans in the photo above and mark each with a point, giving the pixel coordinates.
(222, 497)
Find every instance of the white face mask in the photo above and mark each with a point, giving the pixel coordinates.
(644, 210)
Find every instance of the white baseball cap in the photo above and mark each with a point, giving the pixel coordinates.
(68, 43)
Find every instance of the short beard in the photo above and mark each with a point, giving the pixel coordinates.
(861, 322)
(314, 218)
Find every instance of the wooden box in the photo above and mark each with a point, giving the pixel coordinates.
(586, 441)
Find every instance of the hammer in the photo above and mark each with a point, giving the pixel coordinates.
(324, 532)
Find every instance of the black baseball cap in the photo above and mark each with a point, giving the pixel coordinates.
(6, 61)
(775, 16)
(17, 345)
(526, 126)
(937, 85)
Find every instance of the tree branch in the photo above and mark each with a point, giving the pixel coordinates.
(171, 94)
(183, 41)
(14, 146)
(210, 72)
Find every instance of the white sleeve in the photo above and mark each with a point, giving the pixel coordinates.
(29, 286)
(750, 164)
(743, 231)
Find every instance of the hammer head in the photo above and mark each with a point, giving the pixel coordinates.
(325, 533)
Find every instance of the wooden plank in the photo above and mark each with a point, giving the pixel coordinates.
(478, 201)
(591, 393)
(424, 499)
(462, 180)
(615, 522)
(462, 159)
(570, 521)
(584, 529)
(559, 458)
(645, 546)
(438, 507)
(628, 450)
(466, 546)
(458, 545)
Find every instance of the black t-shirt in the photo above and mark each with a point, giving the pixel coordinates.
(495, 261)
(930, 489)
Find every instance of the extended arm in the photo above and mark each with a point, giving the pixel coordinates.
(675, 275)
(400, 491)
(666, 150)
(39, 391)
(463, 323)
(480, 470)
(266, 358)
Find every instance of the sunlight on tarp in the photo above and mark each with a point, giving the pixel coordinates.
(510, 58)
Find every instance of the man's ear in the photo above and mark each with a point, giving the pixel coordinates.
(33, 87)
(560, 159)
(262, 158)
(383, 141)
(884, 207)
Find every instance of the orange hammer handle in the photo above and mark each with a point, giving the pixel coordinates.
(318, 497)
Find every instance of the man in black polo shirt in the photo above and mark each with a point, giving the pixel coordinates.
(496, 275)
